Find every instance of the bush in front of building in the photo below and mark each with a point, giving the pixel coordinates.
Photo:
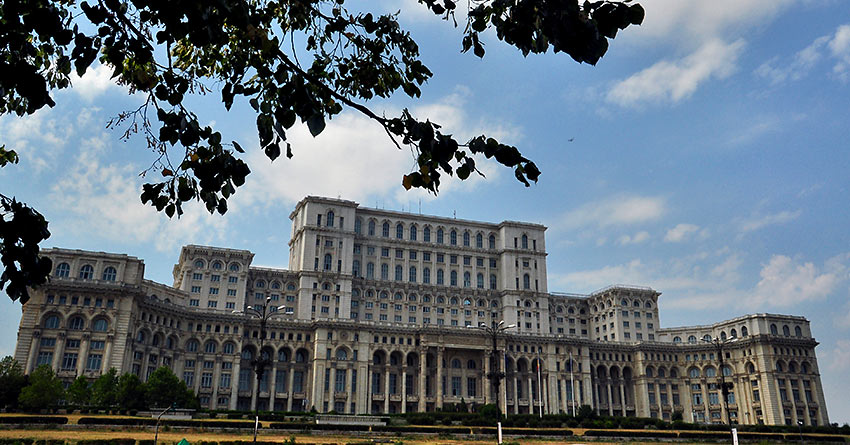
(34, 420)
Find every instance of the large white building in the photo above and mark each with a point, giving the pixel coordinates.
(375, 315)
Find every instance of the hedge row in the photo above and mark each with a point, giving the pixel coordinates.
(40, 420)
(624, 433)
(144, 421)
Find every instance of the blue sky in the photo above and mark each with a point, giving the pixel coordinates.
(705, 156)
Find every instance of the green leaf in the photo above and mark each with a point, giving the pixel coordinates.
(316, 124)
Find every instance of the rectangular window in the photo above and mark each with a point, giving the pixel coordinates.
(69, 361)
(94, 362)
(456, 390)
(206, 380)
(470, 386)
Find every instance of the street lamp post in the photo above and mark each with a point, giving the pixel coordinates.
(263, 314)
(495, 375)
(724, 387)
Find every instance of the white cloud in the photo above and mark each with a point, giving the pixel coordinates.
(785, 282)
(680, 232)
(637, 238)
(618, 210)
(673, 81)
(835, 45)
(354, 158)
(839, 47)
(95, 82)
(757, 222)
(40, 138)
(101, 201)
(842, 317)
(838, 359)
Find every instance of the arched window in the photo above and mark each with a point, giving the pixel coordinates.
(300, 356)
(677, 339)
(479, 281)
(723, 335)
(798, 332)
(774, 330)
(411, 297)
(804, 367)
(792, 367)
(358, 223)
(467, 279)
(470, 364)
(636, 303)
(328, 264)
(440, 279)
(86, 272)
(706, 337)
(453, 278)
(229, 348)
(751, 368)
(492, 241)
(455, 363)
(399, 231)
(370, 270)
(330, 218)
(453, 301)
(398, 273)
(100, 325)
(193, 345)
(412, 274)
(413, 233)
(648, 305)
(649, 371)
(283, 355)
(341, 354)
(624, 302)
(453, 238)
(247, 354)
(693, 373)
(744, 331)
(526, 281)
(466, 239)
(692, 339)
(786, 331)
(440, 235)
(216, 265)
(259, 284)
(355, 268)
(426, 275)
(199, 264)
(733, 333)
(426, 299)
(169, 343)
(275, 285)
(727, 371)
(467, 302)
(377, 358)
(779, 366)
(385, 230)
(140, 337)
(479, 241)
(492, 281)
(210, 347)
(398, 296)
(234, 267)
(76, 323)
(63, 270)
(426, 234)
(371, 228)
(525, 241)
(51, 322)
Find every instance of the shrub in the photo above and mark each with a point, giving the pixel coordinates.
(40, 420)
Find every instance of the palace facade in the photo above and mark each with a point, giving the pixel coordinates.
(378, 314)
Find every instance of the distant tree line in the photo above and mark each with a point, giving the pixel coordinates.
(42, 389)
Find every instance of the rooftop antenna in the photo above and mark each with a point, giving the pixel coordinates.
(420, 206)
(454, 214)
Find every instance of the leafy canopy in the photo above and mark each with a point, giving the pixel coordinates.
(290, 60)
(44, 390)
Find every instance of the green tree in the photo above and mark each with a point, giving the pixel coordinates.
(79, 393)
(105, 389)
(163, 388)
(12, 380)
(130, 393)
(246, 51)
(44, 390)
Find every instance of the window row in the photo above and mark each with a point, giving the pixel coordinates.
(75, 322)
(217, 265)
(86, 272)
(438, 236)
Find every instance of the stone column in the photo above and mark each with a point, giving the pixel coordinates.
(610, 399)
(622, 398)
(84, 348)
(34, 345)
(58, 351)
(216, 382)
(387, 391)
(404, 390)
(489, 384)
(107, 355)
(516, 398)
(423, 357)
(290, 389)
(272, 381)
(531, 400)
(439, 385)
(234, 383)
